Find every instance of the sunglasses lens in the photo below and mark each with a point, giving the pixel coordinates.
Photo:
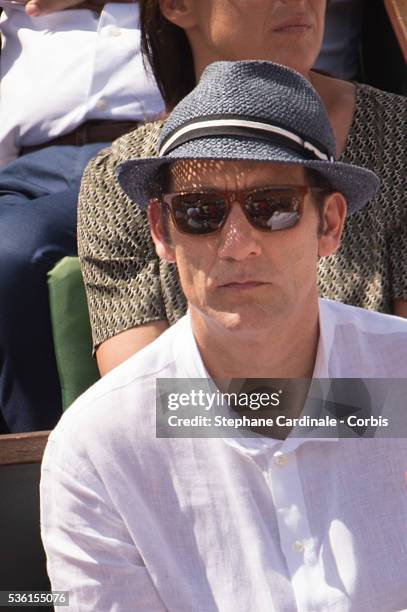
(268, 209)
(273, 209)
(198, 213)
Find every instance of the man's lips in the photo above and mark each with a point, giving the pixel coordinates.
(293, 25)
(242, 285)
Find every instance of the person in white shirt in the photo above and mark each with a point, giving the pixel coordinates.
(139, 517)
(70, 83)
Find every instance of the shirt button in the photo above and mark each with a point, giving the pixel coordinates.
(115, 31)
(101, 104)
(298, 546)
(280, 459)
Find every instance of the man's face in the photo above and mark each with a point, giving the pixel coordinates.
(242, 278)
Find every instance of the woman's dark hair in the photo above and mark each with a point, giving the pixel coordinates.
(166, 49)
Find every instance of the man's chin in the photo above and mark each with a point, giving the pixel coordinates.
(242, 319)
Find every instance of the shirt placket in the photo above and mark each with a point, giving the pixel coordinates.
(297, 543)
(111, 42)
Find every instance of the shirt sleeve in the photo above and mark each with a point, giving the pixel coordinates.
(397, 245)
(120, 268)
(89, 551)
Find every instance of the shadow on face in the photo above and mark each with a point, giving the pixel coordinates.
(240, 274)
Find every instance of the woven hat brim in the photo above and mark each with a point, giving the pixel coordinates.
(138, 177)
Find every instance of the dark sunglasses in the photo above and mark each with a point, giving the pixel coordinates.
(267, 208)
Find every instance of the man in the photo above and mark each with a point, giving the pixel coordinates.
(71, 82)
(245, 196)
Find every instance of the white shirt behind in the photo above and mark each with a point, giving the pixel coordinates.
(63, 69)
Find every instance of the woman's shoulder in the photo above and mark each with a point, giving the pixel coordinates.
(382, 112)
(100, 171)
(377, 133)
(368, 96)
(141, 142)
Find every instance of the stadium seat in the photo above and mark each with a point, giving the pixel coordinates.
(77, 368)
(22, 557)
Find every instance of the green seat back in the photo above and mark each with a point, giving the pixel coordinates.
(71, 330)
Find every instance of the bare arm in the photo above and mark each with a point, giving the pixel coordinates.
(38, 8)
(131, 294)
(114, 351)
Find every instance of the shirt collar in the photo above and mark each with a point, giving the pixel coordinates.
(256, 445)
(325, 342)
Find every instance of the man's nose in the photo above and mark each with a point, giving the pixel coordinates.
(238, 239)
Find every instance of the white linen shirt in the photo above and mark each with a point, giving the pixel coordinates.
(135, 522)
(63, 69)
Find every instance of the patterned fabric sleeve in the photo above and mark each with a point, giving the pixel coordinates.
(370, 268)
(397, 244)
(396, 214)
(120, 268)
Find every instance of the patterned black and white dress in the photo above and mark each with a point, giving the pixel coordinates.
(128, 286)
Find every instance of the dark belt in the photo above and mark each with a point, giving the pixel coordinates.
(90, 132)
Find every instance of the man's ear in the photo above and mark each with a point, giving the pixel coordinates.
(163, 248)
(333, 219)
(178, 12)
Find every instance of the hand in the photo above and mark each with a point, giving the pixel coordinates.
(38, 8)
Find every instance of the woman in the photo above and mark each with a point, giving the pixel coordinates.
(127, 286)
